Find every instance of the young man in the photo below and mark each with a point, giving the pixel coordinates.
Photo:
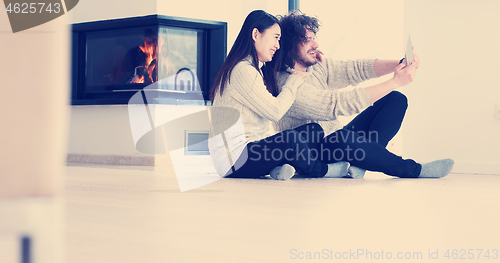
(323, 97)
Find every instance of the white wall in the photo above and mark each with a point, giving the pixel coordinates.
(101, 130)
(358, 28)
(92, 10)
(454, 95)
(230, 11)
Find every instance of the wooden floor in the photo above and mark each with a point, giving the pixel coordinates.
(136, 215)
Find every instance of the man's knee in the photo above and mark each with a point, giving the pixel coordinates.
(399, 98)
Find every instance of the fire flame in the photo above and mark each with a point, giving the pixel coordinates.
(150, 49)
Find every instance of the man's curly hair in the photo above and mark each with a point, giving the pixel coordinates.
(293, 33)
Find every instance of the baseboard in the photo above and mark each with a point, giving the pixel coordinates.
(111, 159)
(476, 168)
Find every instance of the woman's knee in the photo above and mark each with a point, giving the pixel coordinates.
(314, 133)
(292, 138)
(310, 128)
(311, 132)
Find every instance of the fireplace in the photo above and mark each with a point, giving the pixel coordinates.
(176, 59)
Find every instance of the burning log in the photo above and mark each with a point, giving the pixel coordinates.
(141, 61)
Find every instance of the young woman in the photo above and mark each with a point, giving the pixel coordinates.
(245, 100)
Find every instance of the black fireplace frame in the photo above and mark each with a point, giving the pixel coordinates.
(214, 50)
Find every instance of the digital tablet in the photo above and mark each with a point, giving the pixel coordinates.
(409, 52)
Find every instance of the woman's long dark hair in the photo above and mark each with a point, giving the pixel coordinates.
(243, 47)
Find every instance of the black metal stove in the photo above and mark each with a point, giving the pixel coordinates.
(114, 59)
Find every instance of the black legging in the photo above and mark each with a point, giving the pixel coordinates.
(287, 147)
(362, 142)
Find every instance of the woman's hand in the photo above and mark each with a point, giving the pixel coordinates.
(319, 55)
(297, 73)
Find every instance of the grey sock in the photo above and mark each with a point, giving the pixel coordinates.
(337, 170)
(436, 169)
(282, 173)
(356, 172)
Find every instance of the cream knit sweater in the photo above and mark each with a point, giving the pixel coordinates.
(323, 96)
(243, 113)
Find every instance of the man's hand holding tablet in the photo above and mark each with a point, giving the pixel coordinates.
(405, 72)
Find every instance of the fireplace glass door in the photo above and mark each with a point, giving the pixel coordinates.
(131, 59)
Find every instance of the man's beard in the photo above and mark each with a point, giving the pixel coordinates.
(306, 62)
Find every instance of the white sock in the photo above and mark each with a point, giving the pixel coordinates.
(337, 170)
(282, 173)
(436, 169)
(356, 172)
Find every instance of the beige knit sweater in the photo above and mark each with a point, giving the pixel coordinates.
(244, 111)
(323, 96)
